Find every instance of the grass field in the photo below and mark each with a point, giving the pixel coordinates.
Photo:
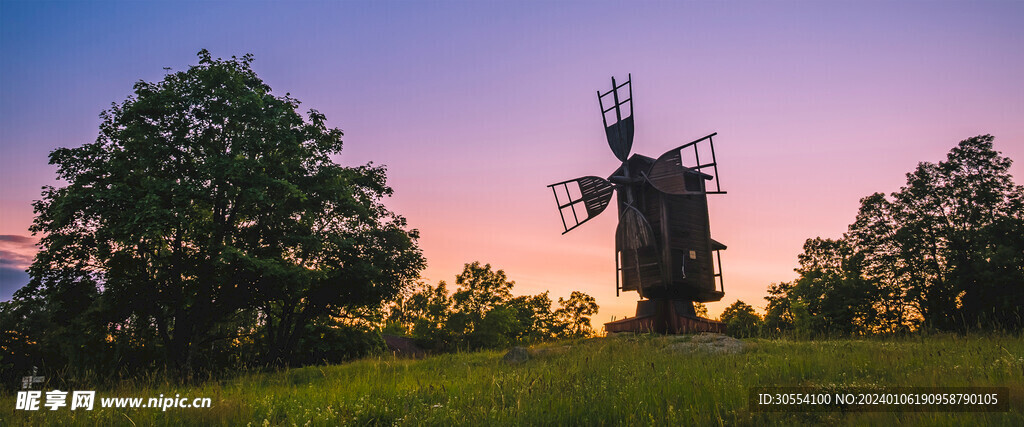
(631, 380)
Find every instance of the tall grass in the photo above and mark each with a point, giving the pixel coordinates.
(632, 380)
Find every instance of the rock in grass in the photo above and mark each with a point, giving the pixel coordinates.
(516, 355)
(709, 343)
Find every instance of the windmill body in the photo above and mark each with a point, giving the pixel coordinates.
(663, 245)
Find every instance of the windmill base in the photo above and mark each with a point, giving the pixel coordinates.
(665, 317)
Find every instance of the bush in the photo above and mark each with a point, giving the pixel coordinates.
(740, 320)
(334, 342)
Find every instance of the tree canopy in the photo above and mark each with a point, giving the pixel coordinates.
(741, 320)
(945, 252)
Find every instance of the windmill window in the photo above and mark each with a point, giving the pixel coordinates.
(693, 254)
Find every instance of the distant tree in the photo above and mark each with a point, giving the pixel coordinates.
(804, 324)
(741, 320)
(481, 289)
(700, 309)
(873, 235)
(419, 301)
(209, 213)
(536, 320)
(482, 313)
(428, 319)
(778, 316)
(575, 314)
(498, 328)
(832, 289)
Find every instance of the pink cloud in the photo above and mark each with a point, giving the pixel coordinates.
(16, 251)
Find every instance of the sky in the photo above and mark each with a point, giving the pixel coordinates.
(476, 106)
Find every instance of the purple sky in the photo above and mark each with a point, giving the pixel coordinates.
(476, 106)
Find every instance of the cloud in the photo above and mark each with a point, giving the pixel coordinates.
(11, 279)
(14, 259)
(16, 239)
(17, 252)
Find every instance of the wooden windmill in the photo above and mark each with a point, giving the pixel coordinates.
(663, 244)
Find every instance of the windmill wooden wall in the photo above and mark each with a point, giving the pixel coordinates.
(680, 264)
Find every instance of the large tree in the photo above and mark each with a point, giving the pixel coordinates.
(946, 251)
(208, 213)
(949, 247)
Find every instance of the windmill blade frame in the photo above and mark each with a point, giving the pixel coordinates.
(620, 132)
(670, 175)
(595, 193)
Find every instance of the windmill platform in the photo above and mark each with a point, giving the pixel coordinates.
(664, 317)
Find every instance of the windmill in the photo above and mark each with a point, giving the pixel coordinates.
(663, 245)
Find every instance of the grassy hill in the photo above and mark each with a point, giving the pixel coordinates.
(633, 380)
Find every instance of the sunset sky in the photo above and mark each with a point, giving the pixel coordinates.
(476, 106)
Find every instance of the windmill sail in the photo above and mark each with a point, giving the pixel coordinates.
(620, 131)
(634, 232)
(620, 137)
(670, 174)
(581, 199)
